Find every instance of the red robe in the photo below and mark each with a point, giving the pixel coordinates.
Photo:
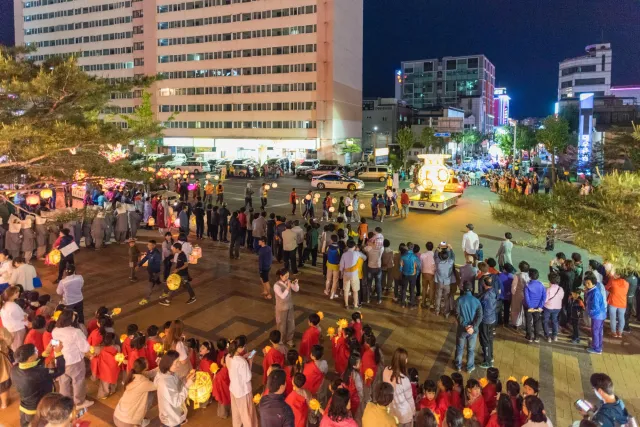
(310, 338)
(314, 377)
(493, 420)
(489, 395)
(427, 404)
(134, 355)
(354, 397)
(221, 387)
(92, 325)
(479, 409)
(205, 366)
(357, 328)
(300, 408)
(126, 347)
(151, 353)
(518, 417)
(368, 362)
(341, 355)
(46, 338)
(95, 338)
(104, 366)
(443, 400)
(274, 356)
(35, 337)
(161, 221)
(456, 398)
(288, 381)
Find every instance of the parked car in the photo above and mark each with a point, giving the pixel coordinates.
(303, 167)
(195, 167)
(321, 170)
(245, 169)
(374, 173)
(175, 163)
(337, 182)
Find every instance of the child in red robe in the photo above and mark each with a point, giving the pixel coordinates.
(273, 353)
(294, 366)
(503, 411)
(341, 349)
(138, 350)
(353, 382)
(457, 393)
(221, 391)
(132, 329)
(443, 399)
(105, 368)
(207, 358)
(221, 351)
(152, 340)
(34, 336)
(492, 389)
(310, 337)
(193, 348)
(428, 400)
(46, 339)
(105, 324)
(315, 370)
(356, 324)
(475, 402)
(298, 400)
(513, 390)
(93, 323)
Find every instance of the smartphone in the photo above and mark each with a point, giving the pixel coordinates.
(253, 353)
(81, 412)
(54, 343)
(583, 405)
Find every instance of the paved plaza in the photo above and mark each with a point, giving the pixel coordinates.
(229, 304)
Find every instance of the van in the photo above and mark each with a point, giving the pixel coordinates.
(180, 157)
(374, 173)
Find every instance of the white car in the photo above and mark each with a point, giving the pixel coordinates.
(334, 181)
(194, 167)
(175, 163)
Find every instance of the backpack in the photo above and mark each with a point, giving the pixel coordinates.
(333, 254)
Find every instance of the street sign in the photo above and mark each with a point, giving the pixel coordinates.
(442, 134)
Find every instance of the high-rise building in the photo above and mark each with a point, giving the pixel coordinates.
(590, 73)
(464, 82)
(249, 78)
(500, 107)
(381, 120)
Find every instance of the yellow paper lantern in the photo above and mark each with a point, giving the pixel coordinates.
(55, 256)
(334, 200)
(161, 335)
(116, 311)
(342, 323)
(214, 368)
(467, 413)
(119, 358)
(316, 196)
(151, 222)
(320, 315)
(483, 382)
(362, 206)
(266, 349)
(299, 361)
(174, 281)
(274, 185)
(92, 350)
(512, 378)
(314, 405)
(524, 378)
(197, 251)
(158, 348)
(200, 390)
(46, 193)
(192, 176)
(256, 398)
(33, 199)
(412, 185)
(331, 331)
(56, 315)
(368, 374)
(332, 209)
(267, 187)
(123, 337)
(350, 208)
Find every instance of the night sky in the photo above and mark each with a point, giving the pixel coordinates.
(525, 40)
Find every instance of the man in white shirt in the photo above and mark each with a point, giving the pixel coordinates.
(349, 272)
(428, 269)
(289, 248)
(470, 243)
(70, 288)
(299, 240)
(374, 270)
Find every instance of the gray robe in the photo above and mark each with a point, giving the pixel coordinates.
(28, 240)
(3, 232)
(134, 222)
(122, 225)
(86, 232)
(98, 230)
(504, 253)
(41, 240)
(13, 243)
(108, 220)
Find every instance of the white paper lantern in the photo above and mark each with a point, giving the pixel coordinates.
(350, 208)
(331, 209)
(308, 197)
(274, 185)
(216, 177)
(267, 187)
(317, 195)
(362, 206)
(334, 200)
(208, 176)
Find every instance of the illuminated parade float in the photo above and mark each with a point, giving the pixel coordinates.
(433, 178)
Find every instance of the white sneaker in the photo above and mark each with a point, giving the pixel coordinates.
(85, 404)
(333, 296)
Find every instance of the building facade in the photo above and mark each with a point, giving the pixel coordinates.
(248, 78)
(501, 107)
(590, 73)
(381, 120)
(464, 82)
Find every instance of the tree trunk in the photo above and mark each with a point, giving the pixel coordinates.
(553, 167)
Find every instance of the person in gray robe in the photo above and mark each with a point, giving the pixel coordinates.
(108, 221)
(122, 226)
(53, 231)
(77, 232)
(28, 242)
(13, 243)
(86, 230)
(134, 222)
(41, 240)
(98, 230)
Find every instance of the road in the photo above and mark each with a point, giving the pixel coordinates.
(421, 226)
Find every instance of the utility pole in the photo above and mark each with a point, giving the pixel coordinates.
(514, 123)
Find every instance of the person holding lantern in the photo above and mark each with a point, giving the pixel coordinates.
(64, 239)
(137, 397)
(153, 258)
(284, 305)
(182, 270)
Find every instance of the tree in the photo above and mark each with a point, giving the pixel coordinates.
(622, 151)
(349, 146)
(50, 119)
(504, 138)
(571, 113)
(470, 137)
(555, 136)
(428, 140)
(605, 222)
(526, 138)
(457, 138)
(405, 140)
(145, 130)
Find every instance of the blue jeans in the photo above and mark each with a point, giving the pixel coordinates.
(408, 282)
(462, 338)
(553, 315)
(619, 312)
(597, 331)
(375, 274)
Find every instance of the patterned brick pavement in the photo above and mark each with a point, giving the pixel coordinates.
(229, 304)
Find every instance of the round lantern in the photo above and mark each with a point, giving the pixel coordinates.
(33, 199)
(192, 176)
(350, 208)
(216, 177)
(185, 176)
(267, 187)
(317, 195)
(297, 201)
(151, 222)
(200, 390)
(332, 209)
(197, 251)
(362, 206)
(274, 185)
(334, 200)
(412, 185)
(208, 176)
(173, 282)
(46, 193)
(192, 221)
(307, 197)
(54, 257)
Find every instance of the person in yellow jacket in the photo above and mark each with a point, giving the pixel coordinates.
(219, 193)
(209, 188)
(376, 414)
